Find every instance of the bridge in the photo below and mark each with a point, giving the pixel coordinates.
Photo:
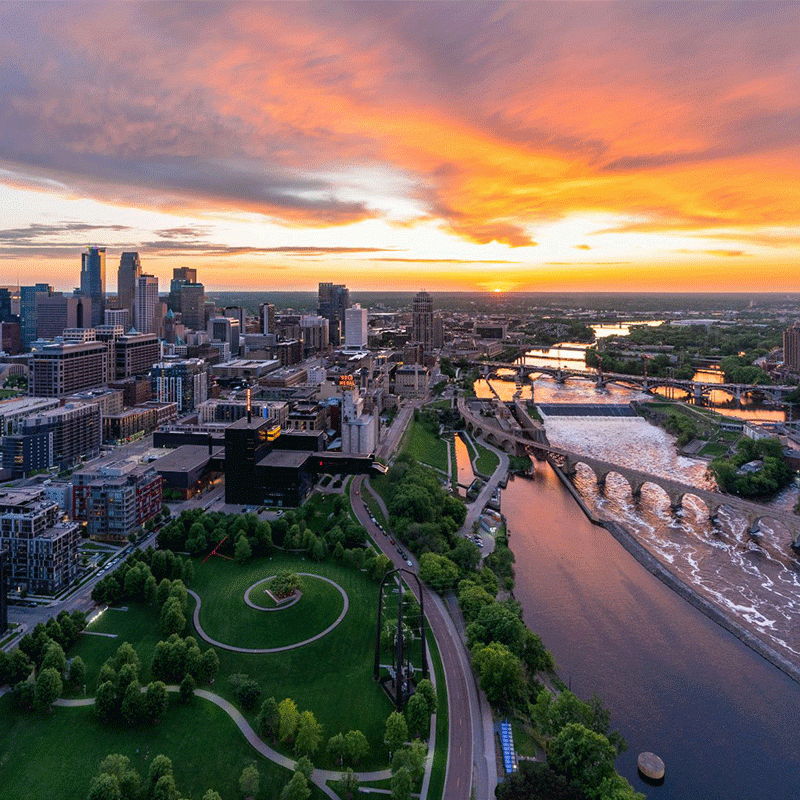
(645, 383)
(568, 462)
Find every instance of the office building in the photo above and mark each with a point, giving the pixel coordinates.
(422, 320)
(56, 369)
(116, 499)
(55, 312)
(359, 430)
(225, 329)
(14, 410)
(267, 314)
(334, 299)
(187, 297)
(130, 268)
(3, 591)
(42, 551)
(314, 330)
(27, 311)
(10, 338)
(135, 354)
(355, 329)
(5, 305)
(146, 303)
(180, 381)
(93, 282)
(118, 316)
(791, 348)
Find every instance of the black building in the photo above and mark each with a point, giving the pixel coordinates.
(246, 443)
(3, 590)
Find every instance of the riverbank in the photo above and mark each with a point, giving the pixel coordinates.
(657, 568)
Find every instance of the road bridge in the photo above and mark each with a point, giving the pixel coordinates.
(568, 462)
(646, 383)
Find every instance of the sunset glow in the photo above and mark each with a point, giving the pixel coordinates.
(527, 146)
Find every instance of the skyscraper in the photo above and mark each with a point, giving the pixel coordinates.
(180, 277)
(130, 268)
(334, 299)
(146, 301)
(422, 320)
(27, 311)
(93, 281)
(356, 327)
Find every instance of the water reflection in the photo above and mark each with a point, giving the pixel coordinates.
(465, 473)
(676, 683)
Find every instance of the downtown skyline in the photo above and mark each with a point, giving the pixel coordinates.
(455, 146)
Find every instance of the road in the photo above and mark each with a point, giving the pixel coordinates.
(466, 743)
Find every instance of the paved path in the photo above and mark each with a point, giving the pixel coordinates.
(98, 633)
(464, 771)
(319, 776)
(264, 650)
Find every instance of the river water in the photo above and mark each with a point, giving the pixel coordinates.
(723, 718)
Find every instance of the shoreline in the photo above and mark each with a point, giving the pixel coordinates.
(652, 564)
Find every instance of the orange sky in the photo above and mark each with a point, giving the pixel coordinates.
(529, 146)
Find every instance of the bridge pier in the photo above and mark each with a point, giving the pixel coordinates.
(675, 503)
(753, 527)
(601, 481)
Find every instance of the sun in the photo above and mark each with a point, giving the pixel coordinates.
(497, 291)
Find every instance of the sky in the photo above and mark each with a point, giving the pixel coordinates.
(527, 146)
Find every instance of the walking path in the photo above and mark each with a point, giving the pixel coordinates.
(98, 633)
(319, 776)
(264, 650)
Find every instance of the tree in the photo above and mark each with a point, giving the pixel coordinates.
(242, 551)
(419, 718)
(497, 622)
(336, 748)
(297, 788)
(18, 666)
(285, 584)
(401, 784)
(411, 758)
(150, 590)
(119, 767)
(133, 704)
(165, 788)
(172, 618)
(156, 701)
(349, 783)
(356, 746)
(160, 766)
(105, 701)
(104, 787)
(289, 717)
(209, 666)
(305, 766)
(472, 598)
(536, 781)
(396, 731)
(439, 572)
(48, 688)
(54, 658)
(249, 780)
(268, 719)
(77, 673)
(582, 756)
(162, 592)
(428, 691)
(212, 795)
(186, 688)
(500, 673)
(309, 734)
(246, 690)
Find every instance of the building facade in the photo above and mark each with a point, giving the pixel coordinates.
(42, 550)
(146, 303)
(184, 382)
(422, 320)
(58, 369)
(355, 336)
(130, 268)
(93, 282)
(791, 348)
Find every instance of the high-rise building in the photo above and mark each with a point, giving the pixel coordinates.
(225, 329)
(334, 299)
(267, 318)
(180, 277)
(5, 305)
(55, 312)
(130, 268)
(355, 329)
(791, 348)
(314, 330)
(193, 306)
(184, 382)
(135, 354)
(93, 282)
(27, 311)
(57, 369)
(119, 316)
(3, 591)
(146, 302)
(422, 320)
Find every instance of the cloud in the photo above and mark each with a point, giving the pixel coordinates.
(582, 247)
(720, 253)
(498, 118)
(447, 261)
(35, 232)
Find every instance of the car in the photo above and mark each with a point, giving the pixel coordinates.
(391, 541)
(409, 563)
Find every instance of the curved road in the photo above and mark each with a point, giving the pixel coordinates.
(466, 750)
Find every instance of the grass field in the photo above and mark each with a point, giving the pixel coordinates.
(225, 617)
(57, 755)
(487, 461)
(423, 446)
(436, 786)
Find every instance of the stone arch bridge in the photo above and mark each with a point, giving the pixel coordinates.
(568, 462)
(645, 383)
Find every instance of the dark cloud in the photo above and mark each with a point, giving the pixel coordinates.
(186, 232)
(36, 232)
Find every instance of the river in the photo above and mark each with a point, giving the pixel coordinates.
(723, 718)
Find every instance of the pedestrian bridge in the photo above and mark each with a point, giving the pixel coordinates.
(568, 462)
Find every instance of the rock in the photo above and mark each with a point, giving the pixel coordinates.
(651, 766)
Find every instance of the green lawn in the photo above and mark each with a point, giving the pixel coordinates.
(331, 677)
(57, 755)
(225, 617)
(487, 461)
(423, 446)
(436, 786)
